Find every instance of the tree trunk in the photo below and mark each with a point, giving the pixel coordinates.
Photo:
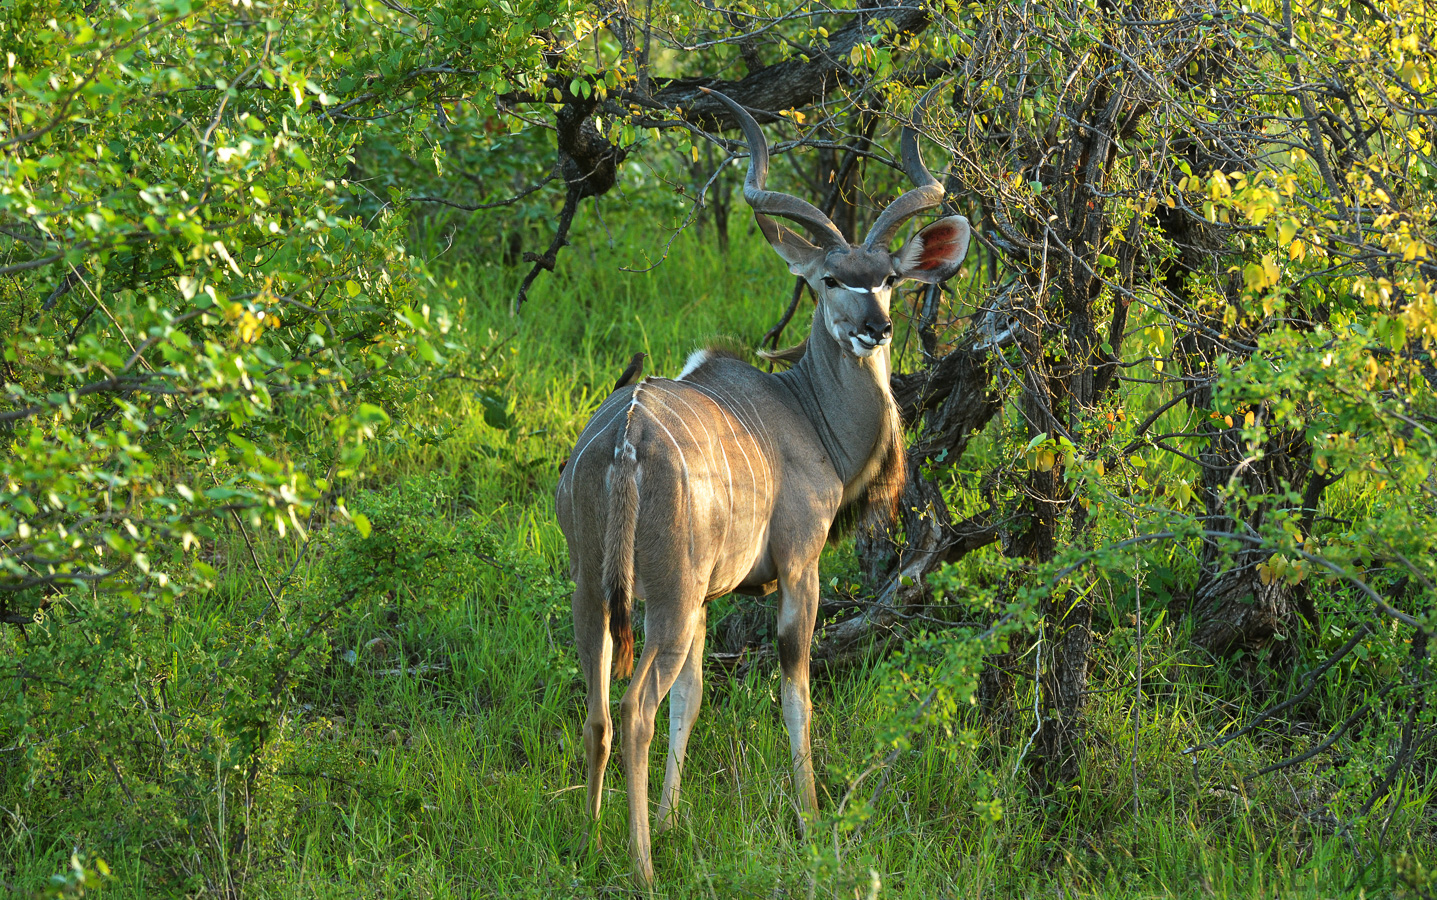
(1233, 608)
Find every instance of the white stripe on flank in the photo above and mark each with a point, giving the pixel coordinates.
(698, 417)
(757, 416)
(692, 436)
(683, 462)
(733, 413)
(710, 442)
(733, 407)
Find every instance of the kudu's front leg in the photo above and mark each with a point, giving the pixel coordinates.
(797, 613)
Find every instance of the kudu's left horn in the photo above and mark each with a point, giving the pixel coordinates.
(772, 203)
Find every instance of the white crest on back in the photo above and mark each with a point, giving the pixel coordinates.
(695, 361)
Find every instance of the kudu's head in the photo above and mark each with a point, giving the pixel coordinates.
(854, 282)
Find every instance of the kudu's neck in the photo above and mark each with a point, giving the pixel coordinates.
(846, 399)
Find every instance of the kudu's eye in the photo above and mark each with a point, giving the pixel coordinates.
(830, 282)
(890, 281)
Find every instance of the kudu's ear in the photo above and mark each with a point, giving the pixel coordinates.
(934, 253)
(792, 246)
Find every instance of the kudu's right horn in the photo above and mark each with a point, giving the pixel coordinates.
(928, 193)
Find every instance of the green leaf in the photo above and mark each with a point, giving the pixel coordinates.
(496, 411)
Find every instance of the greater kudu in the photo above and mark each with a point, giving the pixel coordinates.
(729, 478)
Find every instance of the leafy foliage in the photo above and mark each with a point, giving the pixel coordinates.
(204, 330)
(1198, 344)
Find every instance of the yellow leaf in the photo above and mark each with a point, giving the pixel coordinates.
(1248, 418)
(1252, 277)
(1297, 572)
(1182, 494)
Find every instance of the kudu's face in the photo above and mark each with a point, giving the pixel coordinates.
(853, 290)
(855, 283)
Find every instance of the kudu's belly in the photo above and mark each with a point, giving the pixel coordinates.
(761, 578)
(739, 524)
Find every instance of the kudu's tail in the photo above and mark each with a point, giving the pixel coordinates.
(618, 580)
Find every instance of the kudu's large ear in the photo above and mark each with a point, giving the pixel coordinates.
(934, 253)
(795, 249)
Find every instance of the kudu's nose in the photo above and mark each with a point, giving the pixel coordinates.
(878, 328)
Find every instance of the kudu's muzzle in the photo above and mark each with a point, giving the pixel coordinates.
(877, 328)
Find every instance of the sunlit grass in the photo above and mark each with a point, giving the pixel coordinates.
(445, 759)
(488, 766)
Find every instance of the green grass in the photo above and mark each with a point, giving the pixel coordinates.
(466, 780)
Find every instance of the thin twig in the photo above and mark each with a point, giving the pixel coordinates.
(1328, 742)
(495, 205)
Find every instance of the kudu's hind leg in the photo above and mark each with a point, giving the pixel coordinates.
(668, 638)
(596, 652)
(797, 613)
(684, 699)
